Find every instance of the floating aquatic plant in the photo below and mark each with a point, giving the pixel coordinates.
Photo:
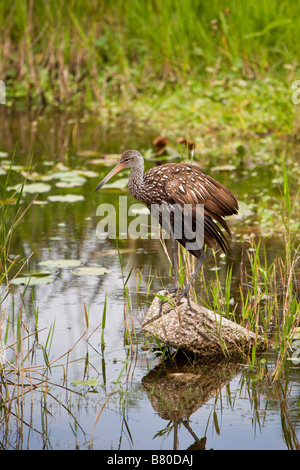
(61, 263)
(66, 198)
(90, 271)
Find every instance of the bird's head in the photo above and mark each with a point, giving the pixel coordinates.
(128, 159)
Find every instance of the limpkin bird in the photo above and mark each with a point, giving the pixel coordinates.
(181, 184)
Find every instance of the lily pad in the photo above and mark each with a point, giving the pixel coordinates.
(40, 203)
(16, 187)
(88, 173)
(244, 212)
(66, 175)
(60, 167)
(69, 184)
(3, 154)
(118, 184)
(66, 198)
(112, 156)
(101, 161)
(40, 273)
(163, 158)
(61, 263)
(224, 168)
(87, 153)
(90, 271)
(139, 210)
(31, 188)
(32, 176)
(106, 160)
(92, 382)
(33, 281)
(36, 188)
(15, 167)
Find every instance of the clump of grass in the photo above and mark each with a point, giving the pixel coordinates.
(289, 272)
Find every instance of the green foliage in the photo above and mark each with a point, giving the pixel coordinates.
(94, 49)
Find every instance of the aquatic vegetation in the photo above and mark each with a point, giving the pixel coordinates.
(95, 373)
(35, 188)
(90, 271)
(68, 198)
(211, 82)
(32, 280)
(61, 263)
(268, 301)
(120, 48)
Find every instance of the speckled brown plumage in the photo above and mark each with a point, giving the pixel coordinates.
(181, 183)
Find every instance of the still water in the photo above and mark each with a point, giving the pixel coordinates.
(104, 389)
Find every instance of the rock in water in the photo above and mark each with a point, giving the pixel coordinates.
(198, 330)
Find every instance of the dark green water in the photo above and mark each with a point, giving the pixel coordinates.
(154, 405)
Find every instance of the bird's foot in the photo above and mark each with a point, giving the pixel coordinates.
(185, 293)
(176, 291)
(172, 292)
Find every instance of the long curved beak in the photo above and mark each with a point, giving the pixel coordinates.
(113, 172)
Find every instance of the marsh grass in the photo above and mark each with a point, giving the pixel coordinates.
(8, 223)
(28, 362)
(268, 303)
(27, 365)
(57, 51)
(26, 358)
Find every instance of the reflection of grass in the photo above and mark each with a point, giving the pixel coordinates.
(22, 373)
(26, 370)
(8, 224)
(129, 328)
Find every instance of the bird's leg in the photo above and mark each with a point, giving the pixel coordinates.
(185, 291)
(175, 289)
(175, 261)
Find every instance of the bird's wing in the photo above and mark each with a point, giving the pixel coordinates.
(190, 185)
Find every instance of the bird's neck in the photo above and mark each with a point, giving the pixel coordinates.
(135, 181)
